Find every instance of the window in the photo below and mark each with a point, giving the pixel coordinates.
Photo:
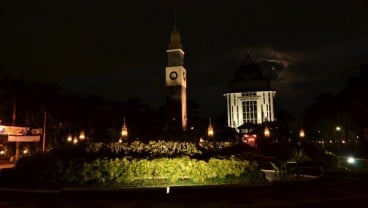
(249, 111)
(248, 94)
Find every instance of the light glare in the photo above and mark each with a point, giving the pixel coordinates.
(351, 160)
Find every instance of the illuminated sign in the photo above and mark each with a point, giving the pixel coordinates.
(13, 130)
(32, 138)
(36, 131)
(250, 139)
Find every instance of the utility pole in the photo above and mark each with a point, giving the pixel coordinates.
(44, 132)
(14, 119)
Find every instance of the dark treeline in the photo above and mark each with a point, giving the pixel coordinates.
(24, 103)
(342, 115)
(70, 113)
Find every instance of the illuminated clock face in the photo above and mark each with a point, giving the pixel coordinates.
(173, 75)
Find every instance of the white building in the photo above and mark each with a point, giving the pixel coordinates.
(250, 97)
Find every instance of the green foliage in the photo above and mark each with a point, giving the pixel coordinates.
(139, 172)
(137, 164)
(156, 148)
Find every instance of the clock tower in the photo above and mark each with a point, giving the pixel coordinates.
(176, 86)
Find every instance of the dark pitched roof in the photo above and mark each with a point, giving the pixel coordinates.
(249, 77)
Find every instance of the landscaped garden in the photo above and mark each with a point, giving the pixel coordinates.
(164, 163)
(156, 163)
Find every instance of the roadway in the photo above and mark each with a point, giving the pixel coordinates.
(330, 191)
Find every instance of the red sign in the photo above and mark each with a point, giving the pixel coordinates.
(250, 139)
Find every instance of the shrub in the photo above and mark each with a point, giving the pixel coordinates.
(138, 172)
(136, 164)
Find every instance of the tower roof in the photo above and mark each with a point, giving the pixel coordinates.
(175, 40)
(249, 77)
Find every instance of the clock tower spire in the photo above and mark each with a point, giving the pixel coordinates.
(176, 84)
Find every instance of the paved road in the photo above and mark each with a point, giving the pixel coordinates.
(324, 192)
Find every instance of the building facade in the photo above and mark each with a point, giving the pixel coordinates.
(250, 98)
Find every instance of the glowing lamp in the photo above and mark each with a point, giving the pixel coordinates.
(301, 133)
(267, 132)
(82, 135)
(75, 140)
(69, 138)
(210, 132)
(351, 160)
(124, 130)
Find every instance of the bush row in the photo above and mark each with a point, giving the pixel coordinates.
(42, 170)
(158, 148)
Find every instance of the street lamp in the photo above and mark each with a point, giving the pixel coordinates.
(124, 132)
(210, 132)
(339, 136)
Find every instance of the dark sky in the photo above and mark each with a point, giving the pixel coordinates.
(117, 49)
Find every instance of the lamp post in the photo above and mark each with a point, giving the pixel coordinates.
(210, 131)
(124, 132)
(338, 135)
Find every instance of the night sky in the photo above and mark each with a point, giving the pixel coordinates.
(117, 49)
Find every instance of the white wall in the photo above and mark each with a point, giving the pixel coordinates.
(264, 103)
